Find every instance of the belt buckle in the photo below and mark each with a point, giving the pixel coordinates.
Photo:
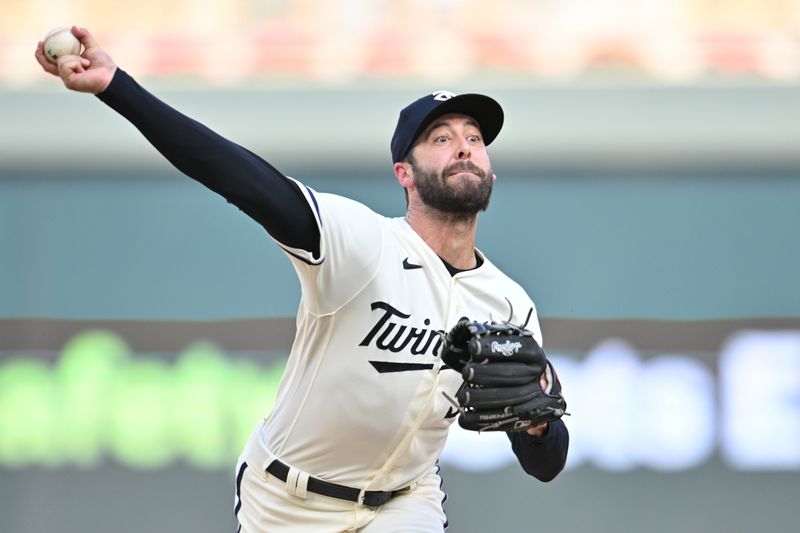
(373, 498)
(376, 498)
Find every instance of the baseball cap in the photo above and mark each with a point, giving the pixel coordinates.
(418, 115)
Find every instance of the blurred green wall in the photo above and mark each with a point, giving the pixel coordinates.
(88, 244)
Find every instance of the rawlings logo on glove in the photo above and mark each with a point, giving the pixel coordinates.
(504, 369)
(507, 348)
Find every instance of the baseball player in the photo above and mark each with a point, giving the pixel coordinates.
(366, 400)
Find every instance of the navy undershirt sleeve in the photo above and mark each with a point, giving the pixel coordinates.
(241, 177)
(542, 457)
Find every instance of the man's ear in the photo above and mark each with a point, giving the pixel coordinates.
(404, 174)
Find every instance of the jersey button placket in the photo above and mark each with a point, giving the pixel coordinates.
(455, 306)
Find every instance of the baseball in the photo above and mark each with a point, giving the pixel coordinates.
(60, 42)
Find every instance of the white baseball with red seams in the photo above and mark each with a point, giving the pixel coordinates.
(60, 42)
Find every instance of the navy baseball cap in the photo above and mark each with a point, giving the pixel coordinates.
(418, 115)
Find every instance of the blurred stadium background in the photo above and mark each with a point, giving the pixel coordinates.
(649, 183)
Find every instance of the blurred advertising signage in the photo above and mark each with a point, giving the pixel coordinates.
(671, 412)
(98, 402)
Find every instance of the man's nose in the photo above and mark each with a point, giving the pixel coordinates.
(464, 150)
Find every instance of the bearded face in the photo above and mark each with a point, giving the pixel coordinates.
(450, 192)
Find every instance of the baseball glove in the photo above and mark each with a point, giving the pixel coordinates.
(502, 366)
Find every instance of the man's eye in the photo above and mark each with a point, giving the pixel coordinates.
(474, 138)
(440, 139)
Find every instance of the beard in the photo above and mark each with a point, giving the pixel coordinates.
(465, 198)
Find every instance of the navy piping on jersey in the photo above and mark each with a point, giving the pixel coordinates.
(316, 205)
(303, 259)
(444, 498)
(310, 237)
(239, 477)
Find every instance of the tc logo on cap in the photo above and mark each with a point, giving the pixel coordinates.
(442, 95)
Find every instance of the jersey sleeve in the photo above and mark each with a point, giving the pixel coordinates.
(542, 457)
(240, 176)
(351, 244)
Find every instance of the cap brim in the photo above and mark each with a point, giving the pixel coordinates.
(485, 110)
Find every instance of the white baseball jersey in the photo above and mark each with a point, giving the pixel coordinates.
(360, 403)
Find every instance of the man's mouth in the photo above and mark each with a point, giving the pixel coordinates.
(466, 169)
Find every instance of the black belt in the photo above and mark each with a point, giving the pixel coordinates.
(372, 498)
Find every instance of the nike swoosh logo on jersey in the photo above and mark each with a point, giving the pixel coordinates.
(410, 266)
(384, 367)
